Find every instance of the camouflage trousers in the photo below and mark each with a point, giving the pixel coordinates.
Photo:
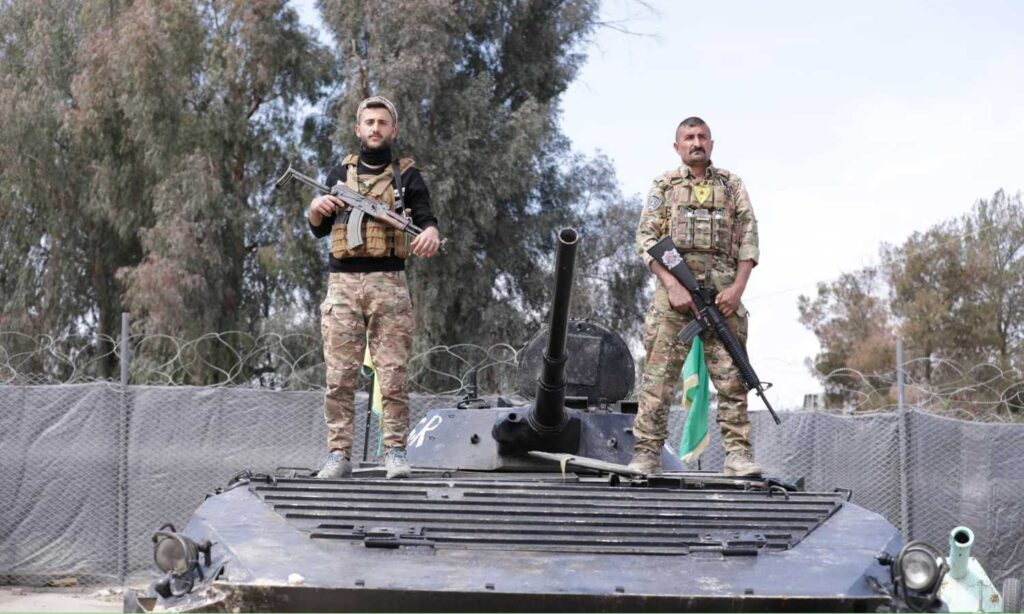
(665, 357)
(363, 307)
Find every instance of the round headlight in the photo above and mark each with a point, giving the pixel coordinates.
(170, 555)
(919, 569)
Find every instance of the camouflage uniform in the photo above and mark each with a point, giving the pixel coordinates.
(358, 303)
(713, 225)
(372, 305)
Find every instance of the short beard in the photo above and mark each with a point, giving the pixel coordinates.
(384, 144)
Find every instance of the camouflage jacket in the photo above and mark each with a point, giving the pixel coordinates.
(710, 221)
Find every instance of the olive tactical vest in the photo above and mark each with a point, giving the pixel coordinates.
(703, 215)
(379, 240)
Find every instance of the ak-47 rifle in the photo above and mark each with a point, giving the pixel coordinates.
(360, 206)
(665, 252)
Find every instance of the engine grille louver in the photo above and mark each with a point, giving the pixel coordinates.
(546, 516)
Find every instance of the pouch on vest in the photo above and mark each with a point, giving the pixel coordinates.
(681, 224)
(379, 240)
(702, 229)
(722, 221)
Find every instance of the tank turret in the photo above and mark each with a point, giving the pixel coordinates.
(580, 370)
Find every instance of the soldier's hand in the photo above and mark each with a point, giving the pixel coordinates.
(728, 300)
(324, 206)
(426, 244)
(680, 300)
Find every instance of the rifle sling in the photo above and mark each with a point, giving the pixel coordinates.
(396, 180)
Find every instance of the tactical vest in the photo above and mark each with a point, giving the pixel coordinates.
(379, 240)
(703, 215)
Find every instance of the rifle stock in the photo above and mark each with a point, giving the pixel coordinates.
(665, 252)
(360, 207)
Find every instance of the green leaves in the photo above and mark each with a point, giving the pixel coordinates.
(140, 140)
(477, 85)
(955, 295)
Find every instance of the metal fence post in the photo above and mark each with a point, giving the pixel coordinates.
(899, 375)
(122, 465)
(902, 434)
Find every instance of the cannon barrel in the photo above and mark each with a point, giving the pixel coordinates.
(548, 414)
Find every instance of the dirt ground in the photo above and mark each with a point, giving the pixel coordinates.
(53, 599)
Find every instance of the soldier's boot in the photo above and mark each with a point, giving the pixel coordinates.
(740, 463)
(336, 466)
(395, 463)
(646, 462)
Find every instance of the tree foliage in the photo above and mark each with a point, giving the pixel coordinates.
(140, 140)
(953, 293)
(139, 161)
(851, 319)
(477, 83)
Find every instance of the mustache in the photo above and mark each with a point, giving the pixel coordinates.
(696, 149)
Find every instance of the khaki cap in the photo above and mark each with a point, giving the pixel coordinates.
(377, 100)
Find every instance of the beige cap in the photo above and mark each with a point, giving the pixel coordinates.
(377, 101)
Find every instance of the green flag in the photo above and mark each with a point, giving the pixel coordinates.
(695, 401)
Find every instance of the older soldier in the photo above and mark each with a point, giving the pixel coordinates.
(707, 212)
(367, 298)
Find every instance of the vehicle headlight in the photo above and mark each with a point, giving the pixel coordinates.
(174, 553)
(917, 574)
(177, 555)
(919, 569)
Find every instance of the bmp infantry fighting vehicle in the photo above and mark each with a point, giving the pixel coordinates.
(532, 508)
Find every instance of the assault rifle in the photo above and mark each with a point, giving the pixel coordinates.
(665, 252)
(360, 206)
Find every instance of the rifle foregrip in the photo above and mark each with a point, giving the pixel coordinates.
(736, 351)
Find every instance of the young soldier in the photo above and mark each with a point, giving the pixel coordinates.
(707, 212)
(367, 297)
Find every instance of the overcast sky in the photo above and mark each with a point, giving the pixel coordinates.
(851, 123)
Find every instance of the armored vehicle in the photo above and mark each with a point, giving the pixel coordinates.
(533, 508)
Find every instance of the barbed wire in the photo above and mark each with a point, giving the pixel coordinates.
(980, 392)
(270, 360)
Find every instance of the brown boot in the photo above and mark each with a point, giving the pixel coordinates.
(741, 463)
(647, 463)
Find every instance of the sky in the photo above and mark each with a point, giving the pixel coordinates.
(851, 124)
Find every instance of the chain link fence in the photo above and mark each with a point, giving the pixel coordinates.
(90, 467)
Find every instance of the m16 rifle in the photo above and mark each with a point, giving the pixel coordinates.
(665, 252)
(360, 206)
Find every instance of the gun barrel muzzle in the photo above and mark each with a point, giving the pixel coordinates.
(960, 541)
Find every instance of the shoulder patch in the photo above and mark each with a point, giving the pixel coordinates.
(653, 202)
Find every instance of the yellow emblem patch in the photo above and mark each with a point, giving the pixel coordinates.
(701, 193)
